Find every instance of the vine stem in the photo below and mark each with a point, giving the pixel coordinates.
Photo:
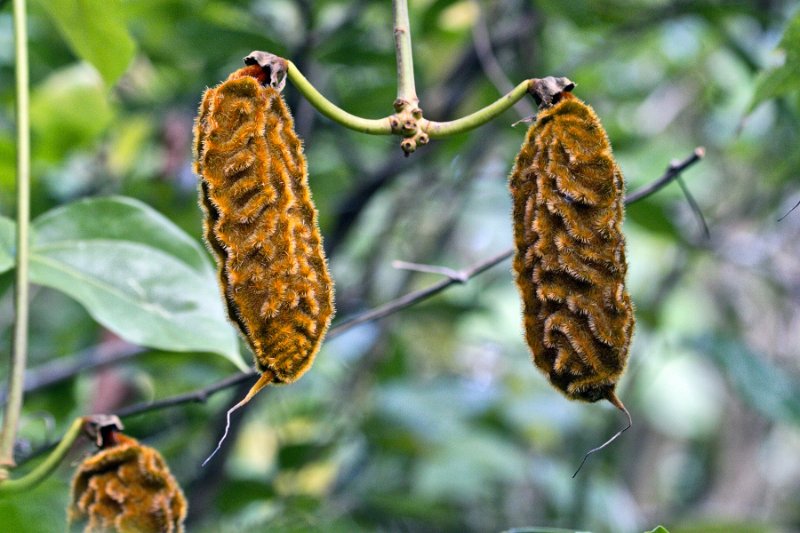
(382, 126)
(19, 349)
(379, 126)
(406, 89)
(439, 130)
(41, 472)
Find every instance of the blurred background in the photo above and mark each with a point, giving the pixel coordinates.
(434, 419)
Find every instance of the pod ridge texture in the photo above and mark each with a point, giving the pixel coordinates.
(570, 264)
(261, 224)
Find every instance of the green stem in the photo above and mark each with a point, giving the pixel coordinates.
(438, 130)
(330, 110)
(406, 90)
(41, 472)
(20, 339)
(382, 126)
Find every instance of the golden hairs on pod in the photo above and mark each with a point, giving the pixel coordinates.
(260, 221)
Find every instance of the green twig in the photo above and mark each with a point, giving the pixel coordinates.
(41, 472)
(406, 90)
(382, 126)
(16, 375)
(438, 130)
(329, 109)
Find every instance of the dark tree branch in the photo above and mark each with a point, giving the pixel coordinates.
(198, 396)
(673, 171)
(61, 369)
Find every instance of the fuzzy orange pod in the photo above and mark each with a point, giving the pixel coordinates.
(126, 488)
(568, 206)
(260, 221)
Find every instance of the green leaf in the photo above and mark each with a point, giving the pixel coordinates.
(786, 78)
(7, 244)
(136, 273)
(659, 529)
(96, 32)
(766, 387)
(69, 110)
(120, 218)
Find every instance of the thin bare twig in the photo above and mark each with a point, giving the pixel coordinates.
(61, 369)
(198, 396)
(429, 269)
(698, 213)
(673, 171)
(790, 211)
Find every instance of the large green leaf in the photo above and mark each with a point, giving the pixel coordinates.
(786, 78)
(136, 273)
(96, 32)
(119, 218)
(6, 244)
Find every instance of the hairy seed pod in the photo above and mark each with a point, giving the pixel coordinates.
(260, 222)
(570, 261)
(126, 487)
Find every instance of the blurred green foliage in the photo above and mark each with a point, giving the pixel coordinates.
(433, 419)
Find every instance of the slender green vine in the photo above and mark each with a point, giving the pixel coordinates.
(406, 89)
(41, 472)
(330, 110)
(438, 130)
(19, 348)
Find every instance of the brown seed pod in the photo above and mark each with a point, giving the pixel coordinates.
(570, 265)
(260, 222)
(126, 487)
